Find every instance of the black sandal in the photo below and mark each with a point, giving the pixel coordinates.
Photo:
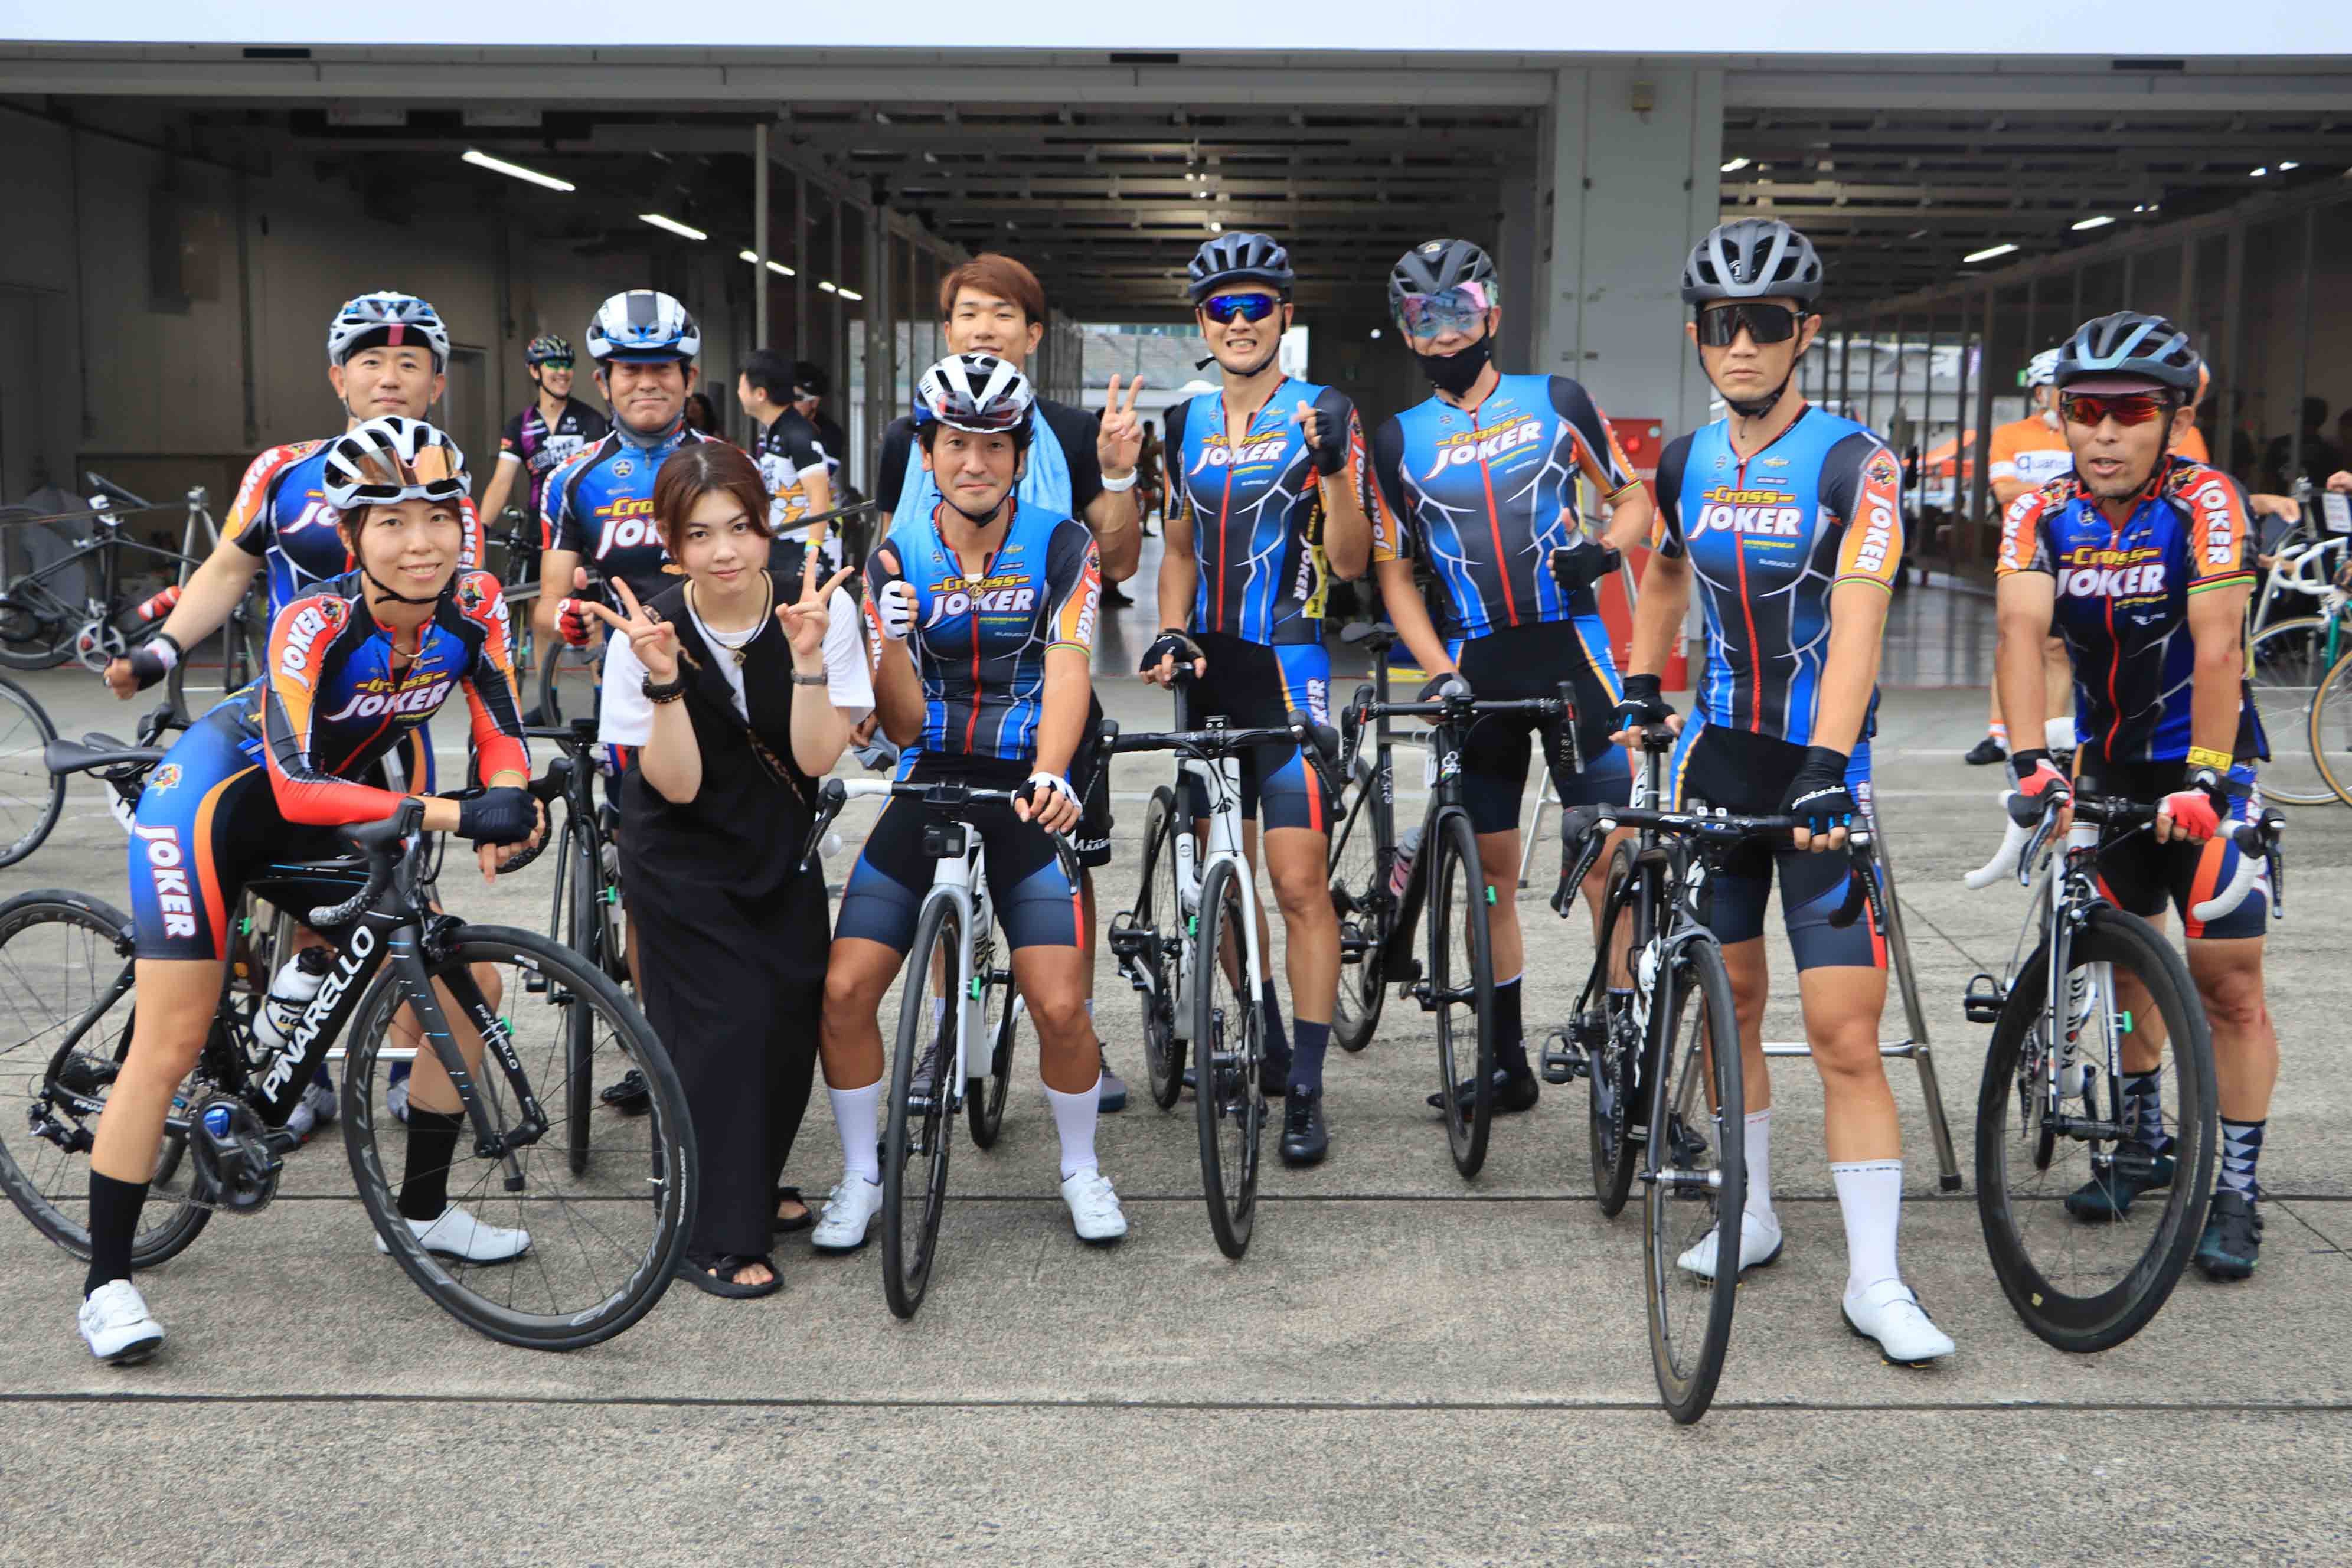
(717, 1275)
(808, 1215)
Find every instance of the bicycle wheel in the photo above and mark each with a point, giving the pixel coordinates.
(2086, 1283)
(568, 678)
(1157, 925)
(604, 1244)
(1613, 1054)
(1360, 860)
(1461, 988)
(37, 623)
(1697, 1136)
(61, 957)
(1229, 1053)
(30, 795)
(2284, 663)
(583, 930)
(999, 1025)
(918, 1131)
(2330, 731)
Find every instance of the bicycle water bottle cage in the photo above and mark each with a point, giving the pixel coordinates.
(943, 840)
(236, 1169)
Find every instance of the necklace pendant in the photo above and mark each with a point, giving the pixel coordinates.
(742, 654)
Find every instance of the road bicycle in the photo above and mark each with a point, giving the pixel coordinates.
(1380, 892)
(2084, 1262)
(956, 1002)
(1191, 948)
(519, 537)
(604, 1245)
(2288, 662)
(31, 796)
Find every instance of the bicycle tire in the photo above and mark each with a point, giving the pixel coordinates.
(2330, 730)
(1361, 858)
(2059, 1317)
(1455, 874)
(1000, 1012)
(2285, 666)
(1160, 912)
(1687, 1372)
(42, 791)
(583, 935)
(1227, 1068)
(574, 673)
(570, 984)
(50, 1186)
(912, 1130)
(37, 637)
(1613, 1070)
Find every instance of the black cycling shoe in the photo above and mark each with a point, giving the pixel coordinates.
(1985, 752)
(630, 1096)
(2232, 1242)
(1511, 1093)
(2110, 1195)
(1305, 1141)
(1274, 1075)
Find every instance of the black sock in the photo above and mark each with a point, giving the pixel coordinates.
(1277, 1044)
(113, 1221)
(432, 1145)
(1306, 1062)
(1510, 1051)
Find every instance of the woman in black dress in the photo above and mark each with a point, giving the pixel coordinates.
(735, 693)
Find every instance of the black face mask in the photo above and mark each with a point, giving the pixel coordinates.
(1456, 372)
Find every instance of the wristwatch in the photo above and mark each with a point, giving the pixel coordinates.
(669, 691)
(817, 678)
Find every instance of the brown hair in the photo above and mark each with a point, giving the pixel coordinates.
(1000, 276)
(696, 470)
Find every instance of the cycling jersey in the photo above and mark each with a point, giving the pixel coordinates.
(281, 514)
(981, 637)
(2031, 450)
(1770, 536)
(788, 452)
(1489, 492)
(541, 447)
(2123, 602)
(599, 506)
(1256, 509)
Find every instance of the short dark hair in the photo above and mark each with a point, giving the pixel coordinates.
(769, 373)
(996, 275)
(809, 376)
(693, 471)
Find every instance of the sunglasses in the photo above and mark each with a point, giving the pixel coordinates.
(1224, 309)
(1457, 310)
(562, 364)
(1718, 328)
(2125, 408)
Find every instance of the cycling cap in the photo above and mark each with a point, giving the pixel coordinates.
(809, 379)
(1239, 258)
(393, 459)
(644, 326)
(1438, 265)
(2041, 370)
(2129, 344)
(1752, 259)
(386, 319)
(545, 347)
(975, 392)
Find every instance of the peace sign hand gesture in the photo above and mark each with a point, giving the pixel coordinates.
(1119, 441)
(806, 622)
(655, 642)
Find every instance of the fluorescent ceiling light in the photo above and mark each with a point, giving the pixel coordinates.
(1216, 228)
(777, 267)
(2290, 164)
(1735, 165)
(2100, 221)
(826, 284)
(481, 160)
(682, 230)
(1376, 331)
(1988, 252)
(2265, 169)
(850, 294)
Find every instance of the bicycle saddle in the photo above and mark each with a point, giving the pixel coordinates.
(96, 751)
(1380, 633)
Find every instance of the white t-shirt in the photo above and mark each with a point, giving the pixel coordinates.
(627, 716)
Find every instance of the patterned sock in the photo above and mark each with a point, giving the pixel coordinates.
(1510, 1051)
(1998, 731)
(2144, 1110)
(2242, 1150)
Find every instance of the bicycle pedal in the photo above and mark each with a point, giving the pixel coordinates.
(1983, 1000)
(1566, 1064)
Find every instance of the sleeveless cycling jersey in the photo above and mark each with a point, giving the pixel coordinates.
(541, 447)
(2122, 601)
(1257, 511)
(1489, 492)
(981, 639)
(281, 514)
(599, 506)
(1769, 536)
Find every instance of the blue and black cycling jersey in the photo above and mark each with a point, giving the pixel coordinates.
(541, 447)
(600, 506)
(282, 515)
(1769, 536)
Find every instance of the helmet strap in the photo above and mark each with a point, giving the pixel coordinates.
(396, 596)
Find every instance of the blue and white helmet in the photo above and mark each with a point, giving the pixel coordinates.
(386, 318)
(643, 325)
(978, 393)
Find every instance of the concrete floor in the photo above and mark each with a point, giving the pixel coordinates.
(1406, 1367)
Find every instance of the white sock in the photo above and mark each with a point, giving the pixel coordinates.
(1074, 1118)
(938, 1012)
(1090, 1009)
(1870, 1199)
(853, 1118)
(1757, 1141)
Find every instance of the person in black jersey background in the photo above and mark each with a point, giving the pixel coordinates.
(791, 455)
(811, 387)
(555, 427)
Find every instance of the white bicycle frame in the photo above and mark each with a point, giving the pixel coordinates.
(1223, 780)
(2301, 566)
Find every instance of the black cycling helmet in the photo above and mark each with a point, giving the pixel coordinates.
(1752, 259)
(2131, 345)
(1239, 258)
(976, 392)
(545, 347)
(1435, 265)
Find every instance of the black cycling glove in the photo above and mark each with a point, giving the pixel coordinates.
(1644, 706)
(151, 660)
(503, 815)
(1172, 643)
(1818, 794)
(1435, 687)
(1581, 564)
(1330, 448)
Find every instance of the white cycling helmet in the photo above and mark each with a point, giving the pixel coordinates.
(644, 326)
(383, 318)
(393, 459)
(2041, 370)
(976, 392)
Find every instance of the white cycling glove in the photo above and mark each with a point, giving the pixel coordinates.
(894, 609)
(1041, 782)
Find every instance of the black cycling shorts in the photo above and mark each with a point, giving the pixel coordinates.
(1521, 662)
(2140, 875)
(1254, 686)
(1035, 904)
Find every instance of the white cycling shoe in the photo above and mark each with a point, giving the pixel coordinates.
(457, 1234)
(116, 1323)
(1889, 1313)
(849, 1211)
(1760, 1244)
(1094, 1212)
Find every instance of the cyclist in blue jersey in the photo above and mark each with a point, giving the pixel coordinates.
(1482, 481)
(542, 437)
(2144, 560)
(1264, 483)
(983, 619)
(1789, 520)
